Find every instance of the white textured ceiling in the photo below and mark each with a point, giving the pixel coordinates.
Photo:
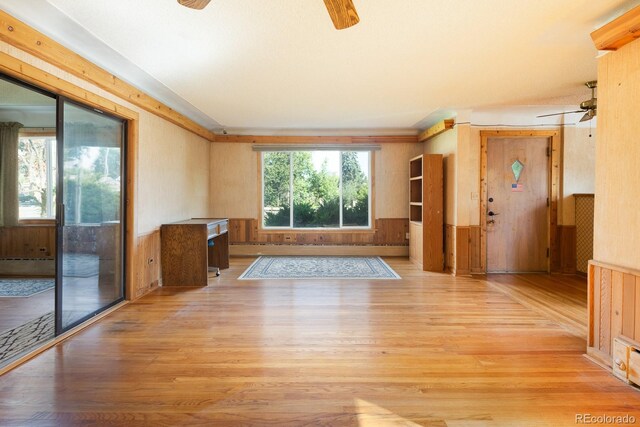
(280, 64)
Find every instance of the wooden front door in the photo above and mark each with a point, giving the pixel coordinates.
(517, 204)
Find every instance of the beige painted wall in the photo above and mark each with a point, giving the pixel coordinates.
(578, 169)
(173, 174)
(392, 179)
(617, 178)
(234, 180)
(447, 144)
(468, 175)
(173, 169)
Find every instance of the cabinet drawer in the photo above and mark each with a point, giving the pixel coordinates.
(634, 366)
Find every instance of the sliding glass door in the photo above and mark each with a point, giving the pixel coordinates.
(90, 268)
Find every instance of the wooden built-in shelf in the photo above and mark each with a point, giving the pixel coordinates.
(415, 167)
(415, 188)
(426, 212)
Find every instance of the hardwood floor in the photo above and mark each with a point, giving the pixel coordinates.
(425, 350)
(562, 298)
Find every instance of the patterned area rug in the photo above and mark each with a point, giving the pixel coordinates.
(25, 337)
(24, 287)
(318, 267)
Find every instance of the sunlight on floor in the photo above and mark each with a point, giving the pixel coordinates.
(372, 415)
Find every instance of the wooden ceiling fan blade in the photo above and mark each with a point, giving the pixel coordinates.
(194, 4)
(558, 114)
(342, 12)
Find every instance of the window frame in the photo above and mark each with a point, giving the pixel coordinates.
(51, 164)
(341, 227)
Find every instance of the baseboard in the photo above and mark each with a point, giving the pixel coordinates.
(257, 250)
(599, 358)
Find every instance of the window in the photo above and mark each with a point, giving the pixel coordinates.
(37, 176)
(329, 189)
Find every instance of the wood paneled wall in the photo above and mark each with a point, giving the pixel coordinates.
(449, 248)
(147, 264)
(475, 252)
(462, 249)
(27, 241)
(614, 308)
(564, 257)
(387, 231)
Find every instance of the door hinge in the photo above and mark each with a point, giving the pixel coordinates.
(547, 252)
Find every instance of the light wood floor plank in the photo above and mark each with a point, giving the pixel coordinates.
(429, 349)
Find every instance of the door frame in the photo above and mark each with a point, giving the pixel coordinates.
(554, 159)
(52, 84)
(61, 101)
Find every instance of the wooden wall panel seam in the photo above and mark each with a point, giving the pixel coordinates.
(613, 306)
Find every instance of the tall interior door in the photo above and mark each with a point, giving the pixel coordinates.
(90, 221)
(517, 204)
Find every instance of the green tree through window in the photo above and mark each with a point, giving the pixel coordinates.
(317, 181)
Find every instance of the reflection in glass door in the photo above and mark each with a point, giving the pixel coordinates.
(91, 227)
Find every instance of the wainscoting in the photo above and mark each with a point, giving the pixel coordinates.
(147, 264)
(462, 250)
(614, 308)
(564, 254)
(245, 233)
(28, 241)
(27, 250)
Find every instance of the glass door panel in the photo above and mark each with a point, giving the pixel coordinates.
(90, 268)
(27, 186)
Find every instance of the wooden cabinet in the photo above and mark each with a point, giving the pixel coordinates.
(426, 209)
(189, 248)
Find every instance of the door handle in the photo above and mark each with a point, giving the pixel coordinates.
(60, 214)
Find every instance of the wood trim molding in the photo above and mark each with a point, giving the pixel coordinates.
(437, 129)
(131, 225)
(555, 159)
(619, 32)
(288, 139)
(621, 269)
(28, 73)
(23, 37)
